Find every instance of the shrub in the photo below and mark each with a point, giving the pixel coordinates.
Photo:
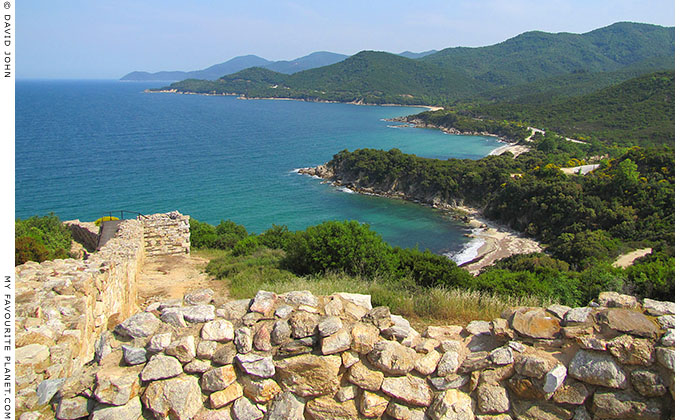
(246, 246)
(27, 248)
(276, 237)
(201, 234)
(229, 233)
(428, 269)
(350, 247)
(47, 233)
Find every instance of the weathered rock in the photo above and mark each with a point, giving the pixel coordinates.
(219, 378)
(243, 409)
(534, 364)
(336, 343)
(630, 322)
(35, 355)
(327, 408)
(597, 369)
(281, 332)
(426, 365)
(452, 345)
(296, 347)
(365, 378)
(264, 302)
(199, 313)
(558, 310)
(573, 393)
(579, 316)
(159, 342)
(501, 329)
(448, 364)
(74, 408)
(517, 346)
(647, 383)
(224, 355)
(218, 330)
(176, 398)
(174, 317)
(372, 405)
(47, 389)
(526, 388)
(478, 327)
(257, 365)
(183, 349)
(206, 414)
(360, 300)
(449, 382)
(197, 366)
(129, 411)
(658, 308)
(475, 361)
(205, 349)
(494, 376)
(529, 410)
(427, 345)
(616, 300)
(451, 405)
(535, 323)
(302, 297)
(392, 358)
(666, 357)
(304, 324)
(199, 297)
(133, 355)
(161, 367)
(591, 343)
(632, 351)
(492, 399)
(262, 336)
(346, 393)
(225, 396)
(364, 336)
(286, 406)
(667, 322)
(330, 325)
(141, 324)
(102, 347)
(622, 404)
(446, 332)
(502, 356)
(236, 309)
(349, 358)
(669, 339)
(244, 340)
(309, 375)
(116, 386)
(283, 311)
(554, 378)
(401, 330)
(409, 389)
(259, 390)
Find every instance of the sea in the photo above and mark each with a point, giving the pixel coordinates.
(87, 148)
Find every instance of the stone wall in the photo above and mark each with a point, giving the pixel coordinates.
(166, 233)
(297, 356)
(86, 233)
(63, 306)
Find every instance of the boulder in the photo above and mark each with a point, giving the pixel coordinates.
(400, 330)
(257, 365)
(364, 336)
(286, 406)
(309, 375)
(492, 399)
(446, 332)
(669, 339)
(264, 302)
(392, 358)
(199, 297)
(304, 324)
(630, 322)
(624, 404)
(535, 323)
(451, 405)
(502, 356)
(529, 410)
(380, 317)
(647, 383)
(219, 378)
(302, 297)
(174, 317)
(161, 367)
(372, 405)
(224, 355)
(243, 409)
(218, 330)
(632, 351)
(141, 324)
(658, 308)
(225, 396)
(184, 349)
(616, 300)
(579, 316)
(597, 369)
(365, 378)
(408, 389)
(236, 309)
(558, 310)
(178, 398)
(129, 411)
(336, 343)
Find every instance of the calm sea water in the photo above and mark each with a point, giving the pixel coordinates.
(84, 148)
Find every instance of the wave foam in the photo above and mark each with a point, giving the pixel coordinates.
(469, 252)
(345, 190)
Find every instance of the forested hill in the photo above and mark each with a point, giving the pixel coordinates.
(610, 54)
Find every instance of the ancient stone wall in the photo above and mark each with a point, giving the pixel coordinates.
(86, 233)
(298, 356)
(63, 307)
(166, 233)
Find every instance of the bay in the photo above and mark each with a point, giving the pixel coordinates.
(84, 148)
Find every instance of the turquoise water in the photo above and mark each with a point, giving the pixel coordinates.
(84, 148)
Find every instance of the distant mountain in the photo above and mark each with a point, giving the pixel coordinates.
(311, 61)
(317, 59)
(531, 64)
(414, 55)
(538, 55)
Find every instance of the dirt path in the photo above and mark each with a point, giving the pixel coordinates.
(626, 260)
(170, 277)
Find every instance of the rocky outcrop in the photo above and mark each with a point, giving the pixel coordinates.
(529, 364)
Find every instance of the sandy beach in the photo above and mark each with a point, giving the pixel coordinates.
(515, 149)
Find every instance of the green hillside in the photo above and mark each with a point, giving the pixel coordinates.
(536, 55)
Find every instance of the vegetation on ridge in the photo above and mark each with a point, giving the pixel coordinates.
(40, 238)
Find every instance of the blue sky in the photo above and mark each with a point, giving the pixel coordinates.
(107, 39)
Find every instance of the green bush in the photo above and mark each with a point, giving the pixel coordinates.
(41, 238)
(229, 233)
(350, 247)
(276, 237)
(201, 234)
(428, 269)
(246, 246)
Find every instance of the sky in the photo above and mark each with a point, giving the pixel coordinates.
(105, 39)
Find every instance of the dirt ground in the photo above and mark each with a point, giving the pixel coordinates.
(170, 277)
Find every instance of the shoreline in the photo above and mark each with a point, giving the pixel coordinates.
(498, 241)
(250, 98)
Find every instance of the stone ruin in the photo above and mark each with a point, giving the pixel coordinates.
(83, 351)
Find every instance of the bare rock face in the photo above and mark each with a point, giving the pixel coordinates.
(597, 369)
(536, 323)
(309, 375)
(408, 389)
(178, 398)
(392, 358)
